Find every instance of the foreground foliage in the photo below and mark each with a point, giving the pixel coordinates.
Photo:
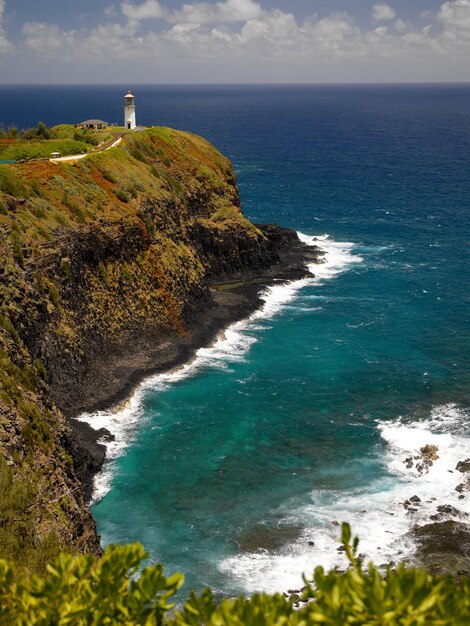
(83, 591)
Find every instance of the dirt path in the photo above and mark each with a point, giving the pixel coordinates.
(106, 146)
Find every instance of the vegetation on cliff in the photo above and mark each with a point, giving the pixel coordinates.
(95, 255)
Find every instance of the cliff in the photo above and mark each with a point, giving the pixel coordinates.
(109, 268)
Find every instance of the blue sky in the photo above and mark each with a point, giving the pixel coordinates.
(168, 41)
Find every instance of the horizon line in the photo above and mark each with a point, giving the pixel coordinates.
(239, 84)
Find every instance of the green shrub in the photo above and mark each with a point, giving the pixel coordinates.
(154, 171)
(121, 194)
(36, 188)
(9, 183)
(20, 538)
(8, 326)
(17, 248)
(43, 232)
(83, 591)
(40, 368)
(53, 295)
(40, 132)
(109, 175)
(65, 268)
(139, 154)
(357, 597)
(36, 432)
(103, 273)
(87, 136)
(175, 184)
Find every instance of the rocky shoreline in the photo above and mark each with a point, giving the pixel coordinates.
(442, 544)
(113, 375)
(112, 270)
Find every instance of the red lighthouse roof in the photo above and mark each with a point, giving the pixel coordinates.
(128, 95)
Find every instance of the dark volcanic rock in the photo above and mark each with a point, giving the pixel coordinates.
(429, 451)
(442, 546)
(463, 466)
(424, 460)
(448, 509)
(270, 538)
(89, 455)
(463, 486)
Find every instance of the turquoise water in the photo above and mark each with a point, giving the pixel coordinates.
(302, 416)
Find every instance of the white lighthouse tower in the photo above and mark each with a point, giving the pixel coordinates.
(129, 111)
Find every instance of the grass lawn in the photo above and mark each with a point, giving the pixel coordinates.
(19, 149)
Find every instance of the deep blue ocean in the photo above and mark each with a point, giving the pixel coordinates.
(236, 469)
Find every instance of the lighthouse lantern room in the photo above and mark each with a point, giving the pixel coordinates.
(129, 111)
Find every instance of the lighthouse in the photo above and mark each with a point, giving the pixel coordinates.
(129, 111)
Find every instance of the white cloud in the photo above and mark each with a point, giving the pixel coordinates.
(335, 34)
(218, 13)
(400, 26)
(242, 37)
(5, 44)
(278, 28)
(103, 42)
(224, 12)
(381, 30)
(455, 17)
(46, 38)
(148, 10)
(382, 12)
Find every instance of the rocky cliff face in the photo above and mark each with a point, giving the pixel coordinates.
(106, 271)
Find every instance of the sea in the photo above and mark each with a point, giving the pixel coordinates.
(237, 468)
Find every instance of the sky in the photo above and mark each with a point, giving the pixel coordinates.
(234, 41)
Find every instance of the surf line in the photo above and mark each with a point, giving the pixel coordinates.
(231, 345)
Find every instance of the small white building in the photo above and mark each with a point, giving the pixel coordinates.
(95, 124)
(129, 111)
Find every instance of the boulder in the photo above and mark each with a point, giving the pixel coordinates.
(442, 546)
(429, 452)
(463, 466)
(448, 509)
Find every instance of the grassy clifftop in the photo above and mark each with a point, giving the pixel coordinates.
(160, 163)
(98, 257)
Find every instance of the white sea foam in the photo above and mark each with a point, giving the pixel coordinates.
(376, 513)
(232, 345)
(338, 256)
